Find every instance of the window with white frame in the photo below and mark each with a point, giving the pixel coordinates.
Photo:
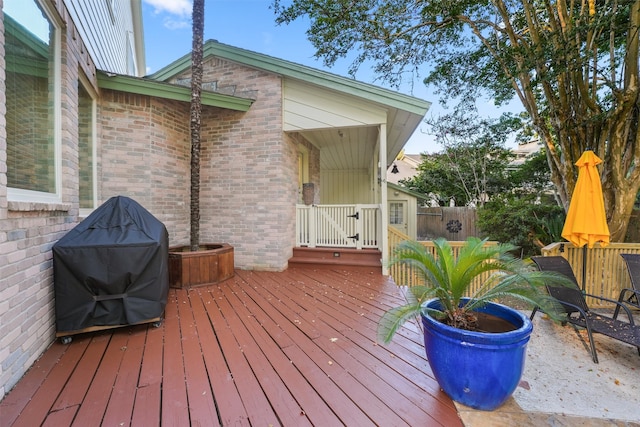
(396, 213)
(32, 56)
(86, 147)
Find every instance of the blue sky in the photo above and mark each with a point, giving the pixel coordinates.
(250, 24)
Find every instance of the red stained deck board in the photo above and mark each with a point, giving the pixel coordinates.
(175, 408)
(262, 344)
(350, 357)
(269, 320)
(289, 309)
(40, 405)
(63, 417)
(120, 407)
(146, 409)
(366, 399)
(17, 399)
(77, 386)
(340, 321)
(202, 408)
(93, 407)
(230, 407)
(276, 325)
(367, 343)
(151, 369)
(284, 404)
(340, 402)
(387, 382)
(310, 403)
(258, 407)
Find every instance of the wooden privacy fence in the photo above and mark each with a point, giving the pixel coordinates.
(452, 223)
(605, 273)
(405, 275)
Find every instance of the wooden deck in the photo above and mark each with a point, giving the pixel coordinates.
(261, 349)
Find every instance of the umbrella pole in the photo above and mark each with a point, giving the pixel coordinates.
(584, 267)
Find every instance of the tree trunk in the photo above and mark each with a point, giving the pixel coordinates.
(575, 122)
(195, 119)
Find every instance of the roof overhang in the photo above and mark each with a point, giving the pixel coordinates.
(144, 86)
(300, 72)
(400, 113)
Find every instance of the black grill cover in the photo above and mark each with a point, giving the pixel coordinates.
(111, 269)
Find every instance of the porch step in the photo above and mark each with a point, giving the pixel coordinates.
(336, 256)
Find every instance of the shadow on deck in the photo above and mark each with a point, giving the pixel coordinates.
(293, 348)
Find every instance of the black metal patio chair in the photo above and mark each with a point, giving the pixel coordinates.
(578, 312)
(633, 267)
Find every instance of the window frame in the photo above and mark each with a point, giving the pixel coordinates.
(22, 195)
(86, 84)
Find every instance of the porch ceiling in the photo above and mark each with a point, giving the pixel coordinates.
(344, 148)
(343, 126)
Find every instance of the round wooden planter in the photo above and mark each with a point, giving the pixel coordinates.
(212, 264)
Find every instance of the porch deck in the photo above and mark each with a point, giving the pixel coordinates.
(293, 348)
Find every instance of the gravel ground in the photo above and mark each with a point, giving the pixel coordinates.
(561, 378)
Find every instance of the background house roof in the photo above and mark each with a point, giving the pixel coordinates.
(405, 167)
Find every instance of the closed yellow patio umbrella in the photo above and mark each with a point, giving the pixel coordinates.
(586, 221)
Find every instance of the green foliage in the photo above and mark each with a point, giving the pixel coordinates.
(449, 278)
(533, 176)
(521, 222)
(473, 164)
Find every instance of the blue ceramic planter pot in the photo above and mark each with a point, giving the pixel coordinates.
(477, 369)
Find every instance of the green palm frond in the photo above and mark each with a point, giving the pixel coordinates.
(449, 278)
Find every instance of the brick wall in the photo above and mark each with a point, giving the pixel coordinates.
(144, 154)
(248, 195)
(28, 230)
(249, 170)
(249, 167)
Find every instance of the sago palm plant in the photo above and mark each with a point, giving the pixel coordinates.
(449, 278)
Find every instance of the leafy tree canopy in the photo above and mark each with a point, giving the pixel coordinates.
(472, 167)
(572, 65)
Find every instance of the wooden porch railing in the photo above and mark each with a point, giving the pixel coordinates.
(405, 275)
(605, 273)
(349, 226)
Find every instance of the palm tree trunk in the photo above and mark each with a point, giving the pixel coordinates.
(195, 118)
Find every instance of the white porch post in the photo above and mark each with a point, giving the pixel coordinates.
(384, 237)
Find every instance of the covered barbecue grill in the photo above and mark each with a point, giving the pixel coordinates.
(111, 269)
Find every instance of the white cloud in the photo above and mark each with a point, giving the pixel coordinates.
(174, 7)
(173, 24)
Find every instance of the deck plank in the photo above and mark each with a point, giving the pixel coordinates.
(14, 403)
(254, 400)
(38, 408)
(175, 407)
(202, 407)
(279, 325)
(231, 410)
(280, 399)
(368, 402)
(148, 397)
(291, 348)
(95, 402)
(310, 404)
(120, 406)
(77, 386)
